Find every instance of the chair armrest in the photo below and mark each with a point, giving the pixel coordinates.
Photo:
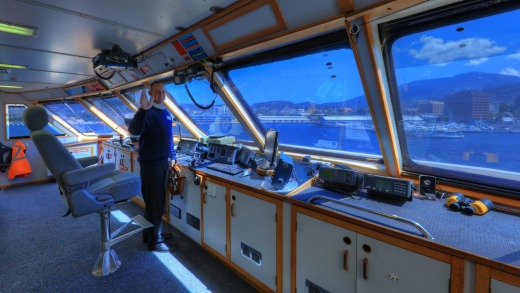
(87, 174)
(87, 161)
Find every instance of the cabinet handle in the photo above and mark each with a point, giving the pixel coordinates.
(205, 197)
(365, 268)
(232, 209)
(345, 260)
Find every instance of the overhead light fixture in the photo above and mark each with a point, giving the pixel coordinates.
(23, 30)
(11, 86)
(13, 66)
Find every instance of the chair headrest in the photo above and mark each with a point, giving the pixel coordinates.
(35, 117)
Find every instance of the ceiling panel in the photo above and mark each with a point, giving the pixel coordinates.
(72, 32)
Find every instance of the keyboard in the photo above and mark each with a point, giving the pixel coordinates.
(225, 168)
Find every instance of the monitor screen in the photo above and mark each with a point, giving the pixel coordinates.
(271, 146)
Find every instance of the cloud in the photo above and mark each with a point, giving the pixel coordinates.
(477, 62)
(514, 56)
(436, 50)
(510, 71)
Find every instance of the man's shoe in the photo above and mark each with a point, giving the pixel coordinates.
(161, 247)
(165, 236)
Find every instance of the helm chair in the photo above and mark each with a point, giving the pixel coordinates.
(86, 188)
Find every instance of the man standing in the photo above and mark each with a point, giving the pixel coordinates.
(156, 152)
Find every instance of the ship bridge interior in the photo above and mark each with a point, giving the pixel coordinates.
(398, 92)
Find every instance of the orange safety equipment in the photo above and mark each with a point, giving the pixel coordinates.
(19, 164)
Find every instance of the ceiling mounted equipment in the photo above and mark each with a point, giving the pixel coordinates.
(111, 61)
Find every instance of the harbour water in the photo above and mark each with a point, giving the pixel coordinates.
(480, 149)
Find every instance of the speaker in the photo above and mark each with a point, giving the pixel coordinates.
(427, 185)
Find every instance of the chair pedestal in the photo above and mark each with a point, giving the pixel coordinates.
(107, 261)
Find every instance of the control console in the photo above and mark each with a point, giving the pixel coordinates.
(222, 153)
(187, 147)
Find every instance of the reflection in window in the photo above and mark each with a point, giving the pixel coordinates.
(458, 89)
(15, 127)
(80, 118)
(217, 120)
(313, 99)
(113, 108)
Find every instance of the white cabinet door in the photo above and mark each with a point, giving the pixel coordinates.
(253, 236)
(214, 217)
(136, 169)
(185, 209)
(502, 287)
(109, 154)
(123, 160)
(325, 256)
(382, 267)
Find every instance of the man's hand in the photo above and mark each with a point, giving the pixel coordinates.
(173, 163)
(145, 102)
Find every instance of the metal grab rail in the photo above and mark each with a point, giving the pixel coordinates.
(397, 218)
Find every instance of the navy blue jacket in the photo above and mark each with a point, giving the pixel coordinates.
(156, 136)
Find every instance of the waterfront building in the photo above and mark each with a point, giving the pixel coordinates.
(469, 105)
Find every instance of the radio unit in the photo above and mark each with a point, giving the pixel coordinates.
(389, 187)
(222, 153)
(339, 179)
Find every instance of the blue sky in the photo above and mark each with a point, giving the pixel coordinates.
(488, 44)
(319, 78)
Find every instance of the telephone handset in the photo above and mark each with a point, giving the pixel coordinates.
(340, 179)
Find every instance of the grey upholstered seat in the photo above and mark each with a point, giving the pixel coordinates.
(86, 189)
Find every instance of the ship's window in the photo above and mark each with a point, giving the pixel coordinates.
(113, 108)
(134, 95)
(311, 93)
(216, 120)
(79, 118)
(15, 127)
(456, 92)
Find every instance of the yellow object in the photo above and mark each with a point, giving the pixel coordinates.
(451, 199)
(482, 206)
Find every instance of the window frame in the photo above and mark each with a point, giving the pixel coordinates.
(92, 100)
(331, 40)
(7, 137)
(464, 176)
(84, 134)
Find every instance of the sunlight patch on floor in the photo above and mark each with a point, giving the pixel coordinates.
(178, 270)
(190, 282)
(120, 216)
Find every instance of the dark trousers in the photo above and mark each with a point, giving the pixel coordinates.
(153, 188)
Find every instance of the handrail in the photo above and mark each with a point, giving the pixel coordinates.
(397, 218)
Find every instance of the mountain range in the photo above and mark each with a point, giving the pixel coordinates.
(493, 83)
